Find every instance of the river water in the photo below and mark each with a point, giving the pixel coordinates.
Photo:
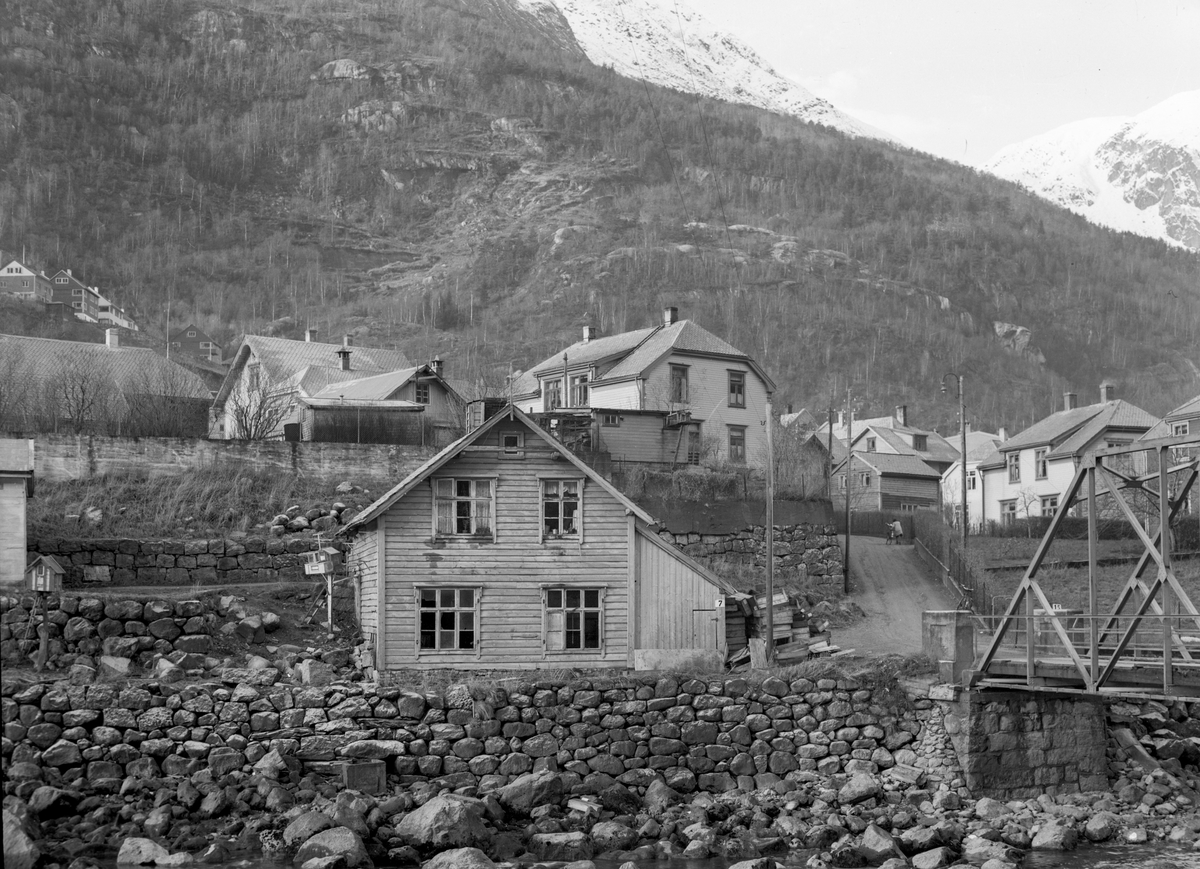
(1151, 856)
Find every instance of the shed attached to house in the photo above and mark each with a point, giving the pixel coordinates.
(505, 550)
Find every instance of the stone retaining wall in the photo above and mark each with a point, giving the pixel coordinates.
(809, 555)
(179, 562)
(694, 734)
(130, 630)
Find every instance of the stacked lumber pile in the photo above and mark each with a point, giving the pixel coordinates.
(798, 635)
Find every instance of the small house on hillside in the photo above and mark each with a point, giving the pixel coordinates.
(16, 488)
(887, 482)
(19, 280)
(278, 388)
(671, 394)
(506, 550)
(195, 342)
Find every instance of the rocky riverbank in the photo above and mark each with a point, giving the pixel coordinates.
(626, 769)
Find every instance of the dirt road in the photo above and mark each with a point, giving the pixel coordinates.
(893, 588)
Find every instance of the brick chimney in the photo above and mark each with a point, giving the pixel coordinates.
(902, 414)
(310, 335)
(1108, 391)
(590, 333)
(670, 315)
(343, 354)
(1070, 401)
(113, 339)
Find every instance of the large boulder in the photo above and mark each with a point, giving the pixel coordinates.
(936, 858)
(460, 858)
(659, 797)
(877, 845)
(860, 787)
(445, 822)
(338, 840)
(1055, 836)
(304, 827)
(137, 851)
(20, 852)
(1102, 826)
(611, 836)
(561, 846)
(530, 791)
(977, 850)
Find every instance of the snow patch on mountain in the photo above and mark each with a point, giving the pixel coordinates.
(1139, 174)
(666, 43)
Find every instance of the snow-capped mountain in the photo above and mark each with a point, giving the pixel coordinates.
(1139, 174)
(668, 44)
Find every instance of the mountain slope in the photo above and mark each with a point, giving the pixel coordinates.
(666, 43)
(455, 177)
(1139, 174)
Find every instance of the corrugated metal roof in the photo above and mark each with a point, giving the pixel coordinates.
(131, 370)
(375, 388)
(283, 357)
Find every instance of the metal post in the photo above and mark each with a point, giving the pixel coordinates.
(770, 532)
(1164, 540)
(1093, 592)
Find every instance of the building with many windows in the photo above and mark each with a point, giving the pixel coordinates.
(671, 394)
(1031, 470)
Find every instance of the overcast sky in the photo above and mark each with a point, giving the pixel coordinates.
(964, 78)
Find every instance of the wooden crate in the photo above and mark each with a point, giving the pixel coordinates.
(367, 776)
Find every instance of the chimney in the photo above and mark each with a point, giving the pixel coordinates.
(841, 419)
(1108, 391)
(310, 335)
(1002, 434)
(347, 340)
(589, 333)
(343, 354)
(1070, 401)
(902, 414)
(436, 365)
(68, 273)
(789, 410)
(113, 339)
(670, 315)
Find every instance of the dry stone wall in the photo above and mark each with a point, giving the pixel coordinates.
(179, 562)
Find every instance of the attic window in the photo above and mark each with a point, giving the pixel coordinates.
(191, 333)
(921, 442)
(512, 443)
(422, 392)
(870, 445)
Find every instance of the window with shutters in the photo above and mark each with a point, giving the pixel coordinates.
(464, 508)
(574, 619)
(448, 618)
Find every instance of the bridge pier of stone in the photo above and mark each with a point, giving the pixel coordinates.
(1021, 744)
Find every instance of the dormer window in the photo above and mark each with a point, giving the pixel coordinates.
(579, 390)
(921, 443)
(552, 394)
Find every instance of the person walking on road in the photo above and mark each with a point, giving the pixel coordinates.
(895, 533)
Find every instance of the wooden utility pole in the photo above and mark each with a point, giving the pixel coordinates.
(849, 487)
(770, 533)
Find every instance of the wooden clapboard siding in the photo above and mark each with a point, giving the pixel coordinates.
(12, 520)
(676, 606)
(638, 438)
(510, 572)
(908, 490)
(362, 563)
(621, 394)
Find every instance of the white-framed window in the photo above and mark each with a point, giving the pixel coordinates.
(1014, 467)
(972, 480)
(448, 619)
(909, 508)
(871, 445)
(1049, 504)
(679, 384)
(191, 333)
(60, 280)
(422, 392)
(737, 389)
(865, 478)
(921, 443)
(737, 444)
(562, 510)
(842, 482)
(574, 619)
(25, 283)
(610, 420)
(464, 508)
(552, 394)
(579, 390)
(77, 292)
(1040, 465)
(1008, 511)
(1179, 429)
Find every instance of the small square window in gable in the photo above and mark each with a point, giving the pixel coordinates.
(512, 444)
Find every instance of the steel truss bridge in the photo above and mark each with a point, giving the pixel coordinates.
(1148, 645)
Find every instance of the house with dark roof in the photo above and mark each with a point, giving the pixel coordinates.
(279, 388)
(507, 550)
(1032, 469)
(193, 341)
(70, 291)
(671, 394)
(78, 387)
(888, 482)
(19, 280)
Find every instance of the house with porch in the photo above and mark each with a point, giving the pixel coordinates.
(1032, 470)
(507, 550)
(667, 395)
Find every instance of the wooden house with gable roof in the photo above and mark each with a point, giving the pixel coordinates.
(671, 394)
(506, 550)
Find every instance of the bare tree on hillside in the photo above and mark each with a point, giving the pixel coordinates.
(16, 389)
(255, 411)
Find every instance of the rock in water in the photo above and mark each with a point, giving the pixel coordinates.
(339, 840)
(1055, 836)
(460, 858)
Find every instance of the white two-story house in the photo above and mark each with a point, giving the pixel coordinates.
(672, 394)
(1033, 469)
